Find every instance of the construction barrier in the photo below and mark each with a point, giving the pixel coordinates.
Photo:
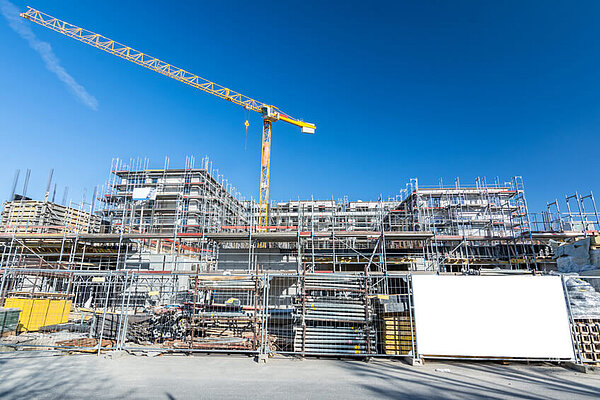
(311, 314)
(583, 295)
(60, 309)
(9, 321)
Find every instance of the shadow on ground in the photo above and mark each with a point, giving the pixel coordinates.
(35, 375)
(467, 380)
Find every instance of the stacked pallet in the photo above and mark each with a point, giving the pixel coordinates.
(587, 334)
(397, 333)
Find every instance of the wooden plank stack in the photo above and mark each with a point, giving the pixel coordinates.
(397, 333)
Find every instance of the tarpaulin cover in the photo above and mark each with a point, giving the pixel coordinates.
(585, 300)
(143, 194)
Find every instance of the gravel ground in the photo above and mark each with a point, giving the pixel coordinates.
(49, 376)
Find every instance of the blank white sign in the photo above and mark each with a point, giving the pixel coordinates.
(491, 316)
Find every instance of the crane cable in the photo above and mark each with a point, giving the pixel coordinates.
(246, 124)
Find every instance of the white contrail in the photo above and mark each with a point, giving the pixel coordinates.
(11, 13)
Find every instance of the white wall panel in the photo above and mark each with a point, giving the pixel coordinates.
(491, 316)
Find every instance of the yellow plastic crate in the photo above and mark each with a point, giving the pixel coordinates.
(36, 313)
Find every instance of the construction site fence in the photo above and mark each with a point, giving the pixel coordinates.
(306, 314)
(583, 299)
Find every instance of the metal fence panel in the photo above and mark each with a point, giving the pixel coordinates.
(339, 315)
(328, 314)
(53, 309)
(211, 313)
(583, 298)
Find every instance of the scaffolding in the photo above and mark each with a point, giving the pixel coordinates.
(192, 219)
(180, 264)
(576, 218)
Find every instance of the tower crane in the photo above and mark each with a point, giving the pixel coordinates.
(268, 112)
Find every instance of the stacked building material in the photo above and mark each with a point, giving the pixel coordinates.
(397, 334)
(25, 215)
(281, 326)
(587, 333)
(89, 343)
(214, 324)
(584, 299)
(584, 302)
(334, 316)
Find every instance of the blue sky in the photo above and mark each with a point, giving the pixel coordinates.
(427, 89)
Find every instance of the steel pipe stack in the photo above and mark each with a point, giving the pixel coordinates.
(334, 316)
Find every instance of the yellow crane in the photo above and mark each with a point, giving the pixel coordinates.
(269, 113)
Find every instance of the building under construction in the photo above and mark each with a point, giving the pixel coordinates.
(175, 259)
(192, 218)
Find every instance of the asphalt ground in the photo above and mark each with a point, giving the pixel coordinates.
(27, 375)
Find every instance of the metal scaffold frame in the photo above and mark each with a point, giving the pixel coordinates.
(190, 218)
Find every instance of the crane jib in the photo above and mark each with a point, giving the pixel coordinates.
(269, 113)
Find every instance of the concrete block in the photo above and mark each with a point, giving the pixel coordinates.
(415, 362)
(584, 369)
(262, 358)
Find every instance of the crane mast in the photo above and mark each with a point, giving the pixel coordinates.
(269, 113)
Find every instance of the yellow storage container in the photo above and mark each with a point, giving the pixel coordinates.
(36, 313)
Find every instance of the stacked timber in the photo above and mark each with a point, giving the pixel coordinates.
(397, 333)
(87, 343)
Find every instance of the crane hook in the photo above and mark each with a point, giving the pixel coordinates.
(247, 124)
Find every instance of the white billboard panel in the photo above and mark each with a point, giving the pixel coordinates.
(491, 316)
